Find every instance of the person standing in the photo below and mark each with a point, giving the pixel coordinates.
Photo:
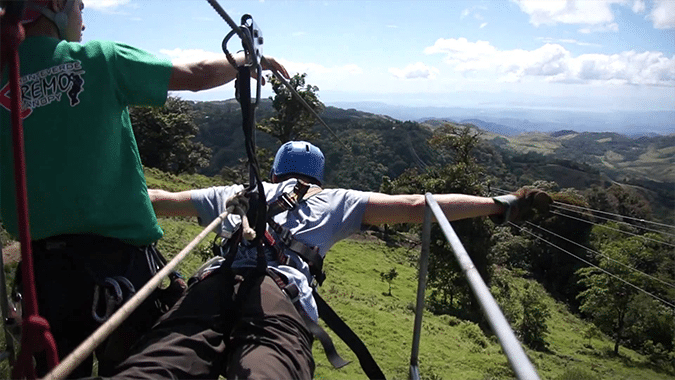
(92, 222)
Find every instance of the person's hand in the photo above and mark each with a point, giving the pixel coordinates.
(522, 205)
(269, 63)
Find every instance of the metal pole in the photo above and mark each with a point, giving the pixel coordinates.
(421, 286)
(512, 349)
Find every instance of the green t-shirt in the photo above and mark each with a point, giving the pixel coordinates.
(84, 172)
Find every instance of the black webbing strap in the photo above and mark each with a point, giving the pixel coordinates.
(288, 201)
(343, 331)
(293, 292)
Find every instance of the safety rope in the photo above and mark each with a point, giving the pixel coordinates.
(36, 335)
(89, 345)
(304, 103)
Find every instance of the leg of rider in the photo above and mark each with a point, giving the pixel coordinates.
(271, 340)
(187, 342)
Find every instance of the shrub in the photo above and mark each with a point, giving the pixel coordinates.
(473, 333)
(577, 374)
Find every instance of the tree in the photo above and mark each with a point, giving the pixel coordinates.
(554, 269)
(240, 174)
(165, 137)
(292, 120)
(389, 277)
(533, 326)
(613, 304)
(592, 332)
(457, 173)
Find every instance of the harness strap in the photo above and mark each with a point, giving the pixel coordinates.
(352, 340)
(310, 255)
(287, 202)
(293, 292)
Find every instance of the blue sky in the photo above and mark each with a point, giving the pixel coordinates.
(601, 55)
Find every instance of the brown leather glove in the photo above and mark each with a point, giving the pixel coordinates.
(521, 205)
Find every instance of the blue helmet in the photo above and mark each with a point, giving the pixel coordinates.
(299, 157)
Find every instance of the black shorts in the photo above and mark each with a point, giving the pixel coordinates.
(204, 336)
(67, 269)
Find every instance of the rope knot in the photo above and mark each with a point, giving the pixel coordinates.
(36, 328)
(238, 205)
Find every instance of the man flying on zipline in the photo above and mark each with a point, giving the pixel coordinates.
(242, 321)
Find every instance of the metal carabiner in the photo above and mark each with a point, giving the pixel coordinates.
(112, 301)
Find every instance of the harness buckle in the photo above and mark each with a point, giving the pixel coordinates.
(292, 291)
(285, 237)
(289, 203)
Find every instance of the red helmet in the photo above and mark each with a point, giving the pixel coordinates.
(36, 8)
(32, 11)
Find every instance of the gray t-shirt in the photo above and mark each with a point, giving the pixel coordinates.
(319, 221)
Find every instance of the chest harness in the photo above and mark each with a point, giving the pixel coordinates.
(280, 244)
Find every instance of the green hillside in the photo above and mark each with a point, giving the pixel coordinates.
(450, 348)
(380, 146)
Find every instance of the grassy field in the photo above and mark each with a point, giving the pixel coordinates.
(450, 348)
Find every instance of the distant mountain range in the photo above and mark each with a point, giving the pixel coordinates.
(511, 122)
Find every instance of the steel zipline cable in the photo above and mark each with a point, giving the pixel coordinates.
(613, 229)
(593, 211)
(619, 215)
(595, 266)
(566, 207)
(600, 254)
(561, 206)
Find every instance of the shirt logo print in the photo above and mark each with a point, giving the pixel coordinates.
(46, 86)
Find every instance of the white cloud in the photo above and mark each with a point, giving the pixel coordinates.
(611, 27)
(639, 6)
(663, 14)
(554, 63)
(597, 15)
(104, 5)
(320, 70)
(483, 25)
(190, 55)
(550, 12)
(415, 71)
(568, 41)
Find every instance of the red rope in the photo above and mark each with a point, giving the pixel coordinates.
(36, 336)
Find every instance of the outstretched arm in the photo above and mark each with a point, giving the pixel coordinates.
(210, 73)
(167, 203)
(383, 208)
